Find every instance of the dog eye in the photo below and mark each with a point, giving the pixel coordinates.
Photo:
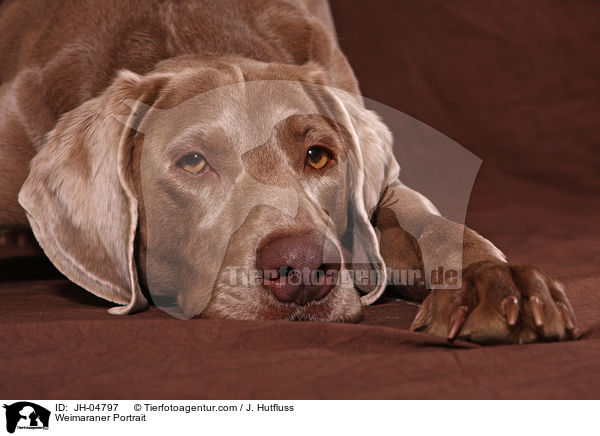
(192, 163)
(318, 157)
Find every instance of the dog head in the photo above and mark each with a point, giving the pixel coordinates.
(224, 187)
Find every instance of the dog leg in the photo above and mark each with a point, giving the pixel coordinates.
(495, 302)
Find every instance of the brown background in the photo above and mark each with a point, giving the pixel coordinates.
(518, 84)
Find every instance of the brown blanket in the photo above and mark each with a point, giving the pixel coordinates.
(517, 83)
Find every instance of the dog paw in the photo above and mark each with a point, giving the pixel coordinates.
(499, 303)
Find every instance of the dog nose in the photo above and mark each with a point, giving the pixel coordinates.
(298, 267)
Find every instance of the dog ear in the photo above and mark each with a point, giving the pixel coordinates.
(79, 195)
(371, 167)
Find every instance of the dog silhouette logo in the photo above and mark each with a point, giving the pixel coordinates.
(26, 415)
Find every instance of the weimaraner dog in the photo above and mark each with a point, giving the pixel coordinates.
(168, 150)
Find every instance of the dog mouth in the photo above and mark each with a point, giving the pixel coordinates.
(292, 276)
(244, 299)
(296, 275)
(330, 308)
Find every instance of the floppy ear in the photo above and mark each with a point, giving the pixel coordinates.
(79, 194)
(372, 167)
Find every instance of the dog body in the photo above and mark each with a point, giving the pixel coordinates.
(158, 146)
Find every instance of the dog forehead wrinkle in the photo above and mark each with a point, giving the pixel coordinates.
(254, 109)
(249, 112)
(189, 115)
(239, 129)
(257, 128)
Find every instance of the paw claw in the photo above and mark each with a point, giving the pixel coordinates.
(510, 306)
(537, 310)
(566, 315)
(456, 321)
